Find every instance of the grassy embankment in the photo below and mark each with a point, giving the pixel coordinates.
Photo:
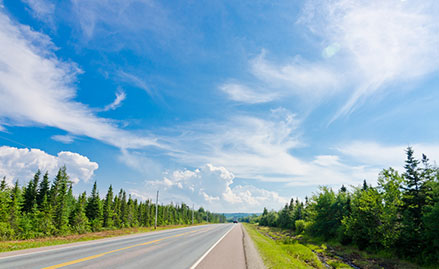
(282, 249)
(51, 241)
(278, 254)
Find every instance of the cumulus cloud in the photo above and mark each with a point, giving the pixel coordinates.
(212, 186)
(22, 163)
(42, 89)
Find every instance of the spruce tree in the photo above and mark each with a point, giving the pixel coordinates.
(15, 205)
(30, 194)
(78, 219)
(94, 209)
(108, 208)
(43, 190)
(61, 210)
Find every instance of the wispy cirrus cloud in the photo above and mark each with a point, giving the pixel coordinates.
(120, 97)
(242, 93)
(43, 10)
(42, 89)
(367, 48)
(135, 81)
(382, 42)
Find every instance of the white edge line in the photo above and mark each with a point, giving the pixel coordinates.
(210, 249)
(92, 242)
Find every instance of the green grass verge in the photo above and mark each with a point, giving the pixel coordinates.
(277, 254)
(51, 241)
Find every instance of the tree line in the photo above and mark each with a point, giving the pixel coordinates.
(399, 216)
(43, 208)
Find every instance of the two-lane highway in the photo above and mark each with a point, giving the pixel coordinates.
(176, 248)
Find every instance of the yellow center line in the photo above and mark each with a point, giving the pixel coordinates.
(112, 251)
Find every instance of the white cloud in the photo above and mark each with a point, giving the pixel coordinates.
(250, 147)
(124, 19)
(43, 10)
(136, 81)
(241, 93)
(378, 155)
(298, 77)
(42, 91)
(264, 150)
(139, 161)
(66, 139)
(378, 42)
(367, 48)
(120, 96)
(22, 164)
(210, 186)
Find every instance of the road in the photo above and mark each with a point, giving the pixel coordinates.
(188, 247)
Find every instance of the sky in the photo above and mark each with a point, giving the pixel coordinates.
(229, 105)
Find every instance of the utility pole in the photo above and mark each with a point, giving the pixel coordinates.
(193, 214)
(156, 210)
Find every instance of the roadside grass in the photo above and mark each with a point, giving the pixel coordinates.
(279, 254)
(52, 241)
(281, 248)
(360, 258)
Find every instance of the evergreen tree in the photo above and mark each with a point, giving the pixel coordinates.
(413, 202)
(364, 185)
(108, 209)
(15, 205)
(78, 219)
(30, 194)
(61, 210)
(43, 190)
(94, 209)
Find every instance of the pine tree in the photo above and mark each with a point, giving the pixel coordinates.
(78, 219)
(43, 190)
(5, 201)
(30, 194)
(15, 205)
(61, 210)
(108, 208)
(46, 225)
(94, 209)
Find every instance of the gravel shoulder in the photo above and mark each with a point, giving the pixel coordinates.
(252, 257)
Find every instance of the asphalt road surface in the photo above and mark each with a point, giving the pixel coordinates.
(176, 248)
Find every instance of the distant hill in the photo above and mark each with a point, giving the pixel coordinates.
(232, 216)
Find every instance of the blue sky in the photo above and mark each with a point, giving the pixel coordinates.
(230, 105)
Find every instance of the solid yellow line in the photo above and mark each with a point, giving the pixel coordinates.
(112, 251)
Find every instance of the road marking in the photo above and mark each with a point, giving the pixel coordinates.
(112, 251)
(210, 249)
(93, 242)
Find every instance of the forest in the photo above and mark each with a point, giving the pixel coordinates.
(43, 208)
(399, 216)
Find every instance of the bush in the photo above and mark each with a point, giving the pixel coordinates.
(6, 232)
(300, 226)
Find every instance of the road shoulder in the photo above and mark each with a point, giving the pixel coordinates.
(252, 258)
(229, 253)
